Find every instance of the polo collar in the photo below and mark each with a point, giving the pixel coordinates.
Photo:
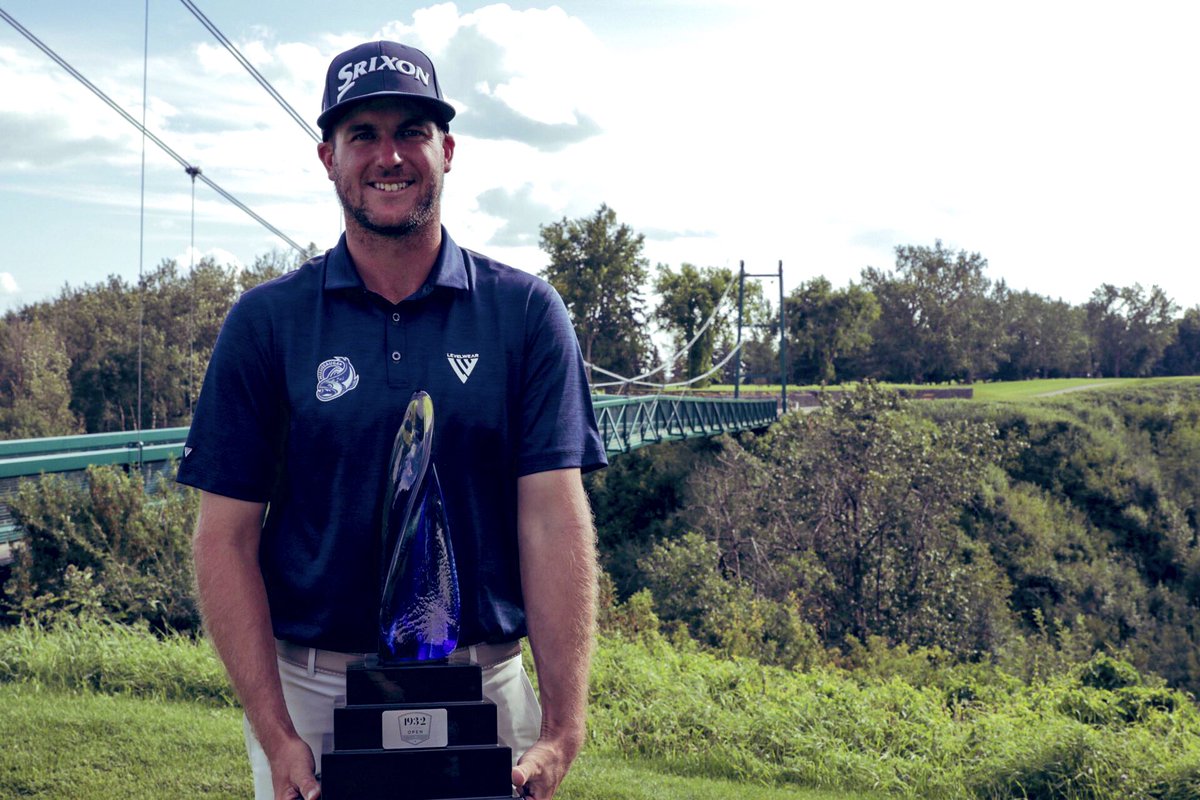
(449, 270)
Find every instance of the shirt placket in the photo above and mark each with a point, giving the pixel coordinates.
(396, 351)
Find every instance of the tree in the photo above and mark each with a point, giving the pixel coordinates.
(1182, 356)
(826, 326)
(853, 512)
(1045, 338)
(1129, 329)
(36, 399)
(689, 298)
(596, 265)
(939, 316)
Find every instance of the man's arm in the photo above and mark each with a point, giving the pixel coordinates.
(233, 602)
(558, 579)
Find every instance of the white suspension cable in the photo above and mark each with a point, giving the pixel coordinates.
(142, 223)
(621, 380)
(716, 368)
(254, 73)
(149, 135)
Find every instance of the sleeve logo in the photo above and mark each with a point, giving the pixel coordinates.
(462, 365)
(335, 377)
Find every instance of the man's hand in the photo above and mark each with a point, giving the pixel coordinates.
(292, 768)
(542, 768)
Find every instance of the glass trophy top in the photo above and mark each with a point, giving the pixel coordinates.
(420, 610)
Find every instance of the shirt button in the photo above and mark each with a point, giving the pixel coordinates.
(395, 317)
(396, 355)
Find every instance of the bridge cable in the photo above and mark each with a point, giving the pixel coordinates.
(637, 379)
(254, 73)
(715, 369)
(148, 134)
(191, 379)
(142, 230)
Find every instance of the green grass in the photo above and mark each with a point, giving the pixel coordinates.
(70, 745)
(59, 744)
(92, 710)
(1011, 391)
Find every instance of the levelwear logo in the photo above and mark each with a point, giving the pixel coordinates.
(351, 71)
(462, 365)
(335, 377)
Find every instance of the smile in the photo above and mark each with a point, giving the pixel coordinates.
(391, 187)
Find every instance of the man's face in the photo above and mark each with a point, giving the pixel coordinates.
(386, 159)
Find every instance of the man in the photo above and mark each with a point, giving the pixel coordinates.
(306, 388)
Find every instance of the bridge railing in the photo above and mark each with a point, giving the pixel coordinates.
(627, 423)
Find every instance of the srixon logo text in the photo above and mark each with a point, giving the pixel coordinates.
(351, 71)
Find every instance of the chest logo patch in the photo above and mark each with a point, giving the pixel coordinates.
(335, 377)
(462, 365)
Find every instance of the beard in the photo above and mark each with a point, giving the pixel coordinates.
(423, 213)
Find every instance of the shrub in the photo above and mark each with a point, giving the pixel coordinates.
(134, 545)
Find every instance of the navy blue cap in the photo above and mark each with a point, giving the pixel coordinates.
(380, 69)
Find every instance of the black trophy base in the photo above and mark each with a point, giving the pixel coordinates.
(434, 774)
(415, 731)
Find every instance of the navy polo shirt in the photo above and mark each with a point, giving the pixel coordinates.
(306, 388)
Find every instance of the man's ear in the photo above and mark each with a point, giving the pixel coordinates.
(447, 150)
(325, 153)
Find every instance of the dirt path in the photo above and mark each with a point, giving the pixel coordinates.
(1069, 389)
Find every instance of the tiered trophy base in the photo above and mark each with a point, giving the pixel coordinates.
(417, 732)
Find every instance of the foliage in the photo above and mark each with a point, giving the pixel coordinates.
(1045, 338)
(939, 316)
(689, 297)
(635, 502)
(827, 326)
(851, 511)
(722, 612)
(1182, 356)
(1129, 329)
(36, 398)
(82, 348)
(112, 540)
(597, 266)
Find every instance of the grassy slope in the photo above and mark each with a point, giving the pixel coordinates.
(60, 744)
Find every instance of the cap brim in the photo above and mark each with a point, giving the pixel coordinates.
(443, 111)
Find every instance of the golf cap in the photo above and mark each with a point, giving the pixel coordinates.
(380, 69)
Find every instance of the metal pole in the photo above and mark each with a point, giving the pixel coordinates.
(737, 362)
(783, 376)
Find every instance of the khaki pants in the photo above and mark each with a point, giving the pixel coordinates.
(310, 691)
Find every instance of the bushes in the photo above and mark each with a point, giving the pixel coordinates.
(130, 549)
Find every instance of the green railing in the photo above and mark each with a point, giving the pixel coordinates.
(627, 423)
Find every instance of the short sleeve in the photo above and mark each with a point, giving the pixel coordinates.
(558, 425)
(235, 443)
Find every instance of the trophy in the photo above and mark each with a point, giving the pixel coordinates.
(414, 726)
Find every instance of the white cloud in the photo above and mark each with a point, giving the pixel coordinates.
(8, 284)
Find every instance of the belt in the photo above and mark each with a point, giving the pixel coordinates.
(485, 655)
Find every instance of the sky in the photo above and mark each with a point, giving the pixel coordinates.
(1057, 139)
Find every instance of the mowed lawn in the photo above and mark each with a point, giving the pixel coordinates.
(73, 745)
(1004, 391)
